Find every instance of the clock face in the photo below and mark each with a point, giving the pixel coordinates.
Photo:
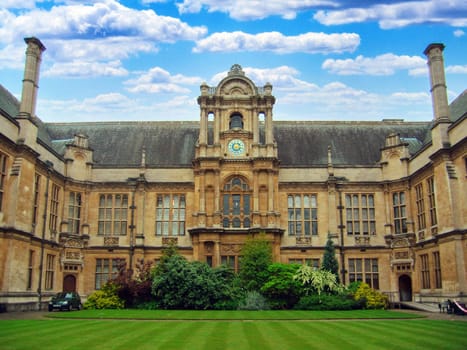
(236, 147)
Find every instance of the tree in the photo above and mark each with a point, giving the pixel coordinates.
(281, 288)
(329, 259)
(256, 257)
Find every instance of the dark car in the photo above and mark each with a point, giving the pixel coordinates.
(65, 301)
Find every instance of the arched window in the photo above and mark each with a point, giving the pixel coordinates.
(236, 204)
(236, 121)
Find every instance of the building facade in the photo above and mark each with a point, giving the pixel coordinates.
(78, 198)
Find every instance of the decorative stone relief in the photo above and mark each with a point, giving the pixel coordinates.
(301, 240)
(111, 241)
(169, 240)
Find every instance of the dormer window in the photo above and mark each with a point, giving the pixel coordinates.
(236, 121)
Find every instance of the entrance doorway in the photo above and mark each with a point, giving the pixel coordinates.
(69, 283)
(405, 288)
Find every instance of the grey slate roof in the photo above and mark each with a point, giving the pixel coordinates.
(300, 144)
(167, 144)
(458, 107)
(172, 144)
(352, 143)
(8, 102)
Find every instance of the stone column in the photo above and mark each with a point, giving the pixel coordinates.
(31, 77)
(434, 53)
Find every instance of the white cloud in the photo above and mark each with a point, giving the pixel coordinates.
(100, 30)
(458, 33)
(86, 69)
(15, 4)
(254, 9)
(97, 49)
(386, 64)
(457, 69)
(400, 14)
(278, 43)
(102, 19)
(12, 56)
(158, 80)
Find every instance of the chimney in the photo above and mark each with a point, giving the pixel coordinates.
(434, 53)
(34, 51)
(27, 108)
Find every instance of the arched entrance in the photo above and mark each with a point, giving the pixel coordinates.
(69, 283)
(405, 288)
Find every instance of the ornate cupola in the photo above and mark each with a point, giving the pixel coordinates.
(236, 118)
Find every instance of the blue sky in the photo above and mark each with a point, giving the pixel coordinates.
(145, 59)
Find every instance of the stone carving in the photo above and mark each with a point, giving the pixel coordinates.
(231, 248)
(362, 240)
(301, 240)
(169, 240)
(111, 241)
(401, 255)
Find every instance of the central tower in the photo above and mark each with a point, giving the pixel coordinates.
(235, 169)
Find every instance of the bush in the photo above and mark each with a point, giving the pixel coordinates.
(180, 284)
(134, 289)
(372, 298)
(148, 305)
(106, 298)
(327, 302)
(253, 301)
(281, 288)
(256, 257)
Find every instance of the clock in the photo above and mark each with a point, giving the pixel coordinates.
(236, 147)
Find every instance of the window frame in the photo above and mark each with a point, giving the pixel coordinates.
(101, 276)
(399, 212)
(49, 272)
(54, 205)
(364, 270)
(3, 177)
(355, 211)
(425, 271)
(112, 219)
(302, 217)
(170, 218)
(432, 201)
(420, 204)
(236, 203)
(437, 270)
(75, 200)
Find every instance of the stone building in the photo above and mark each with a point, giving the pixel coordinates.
(76, 198)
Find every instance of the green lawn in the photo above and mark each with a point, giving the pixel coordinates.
(231, 315)
(215, 330)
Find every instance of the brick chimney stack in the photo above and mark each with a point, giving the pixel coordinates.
(434, 53)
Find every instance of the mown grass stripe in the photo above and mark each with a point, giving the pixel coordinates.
(219, 335)
(231, 335)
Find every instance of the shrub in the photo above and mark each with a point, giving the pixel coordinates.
(106, 298)
(317, 280)
(372, 298)
(180, 284)
(134, 289)
(281, 289)
(253, 301)
(256, 257)
(327, 302)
